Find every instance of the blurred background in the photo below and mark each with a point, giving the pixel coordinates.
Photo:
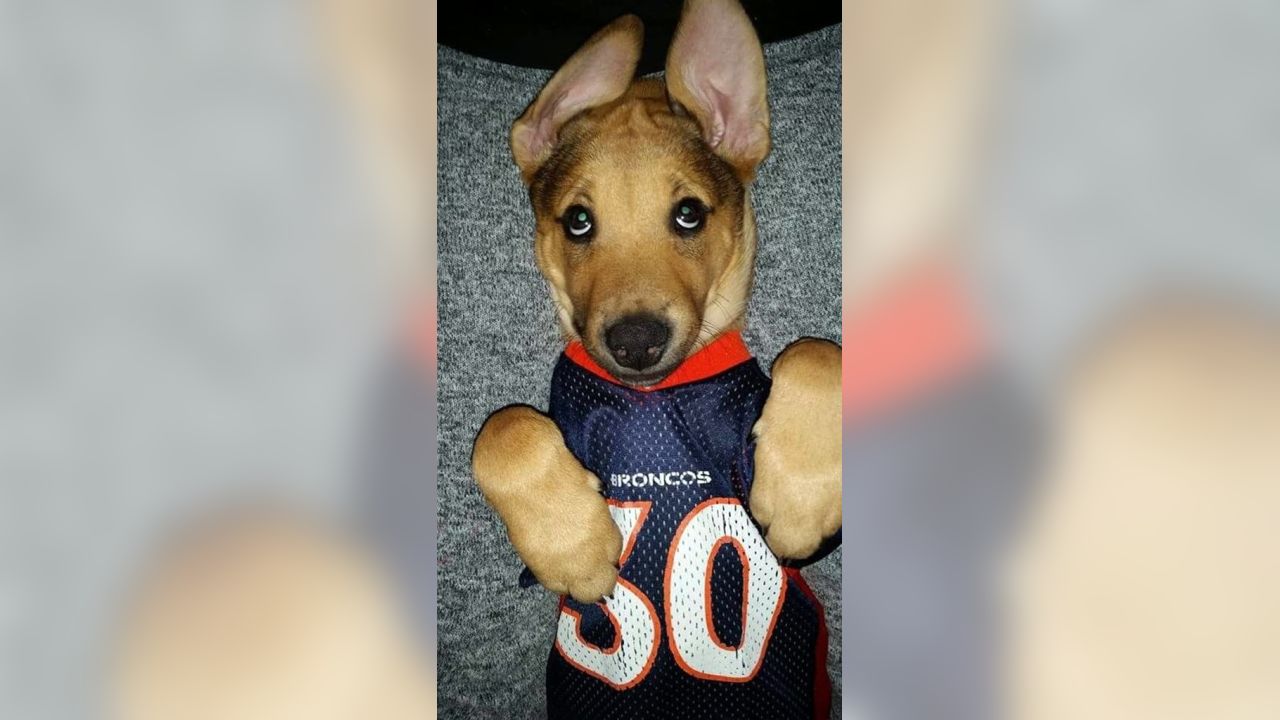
(194, 314)
(195, 309)
(1134, 147)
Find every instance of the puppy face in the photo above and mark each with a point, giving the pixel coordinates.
(644, 230)
(640, 229)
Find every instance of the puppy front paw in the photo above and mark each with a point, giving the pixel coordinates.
(796, 494)
(580, 561)
(556, 519)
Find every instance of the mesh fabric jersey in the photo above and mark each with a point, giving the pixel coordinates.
(704, 621)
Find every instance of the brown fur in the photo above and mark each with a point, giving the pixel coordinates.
(634, 264)
(793, 495)
(556, 518)
(630, 151)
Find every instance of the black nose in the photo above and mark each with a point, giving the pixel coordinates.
(637, 342)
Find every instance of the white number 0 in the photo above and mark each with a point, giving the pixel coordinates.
(691, 634)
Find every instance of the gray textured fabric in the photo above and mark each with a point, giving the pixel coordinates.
(498, 339)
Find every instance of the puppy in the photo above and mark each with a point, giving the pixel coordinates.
(1148, 581)
(670, 475)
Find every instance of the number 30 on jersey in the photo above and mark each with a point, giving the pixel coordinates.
(689, 629)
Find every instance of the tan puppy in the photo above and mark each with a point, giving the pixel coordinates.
(267, 618)
(646, 237)
(1148, 584)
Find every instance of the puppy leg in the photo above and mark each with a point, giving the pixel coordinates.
(555, 516)
(797, 492)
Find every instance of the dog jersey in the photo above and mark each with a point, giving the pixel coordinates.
(704, 621)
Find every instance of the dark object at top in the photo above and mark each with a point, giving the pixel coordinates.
(545, 34)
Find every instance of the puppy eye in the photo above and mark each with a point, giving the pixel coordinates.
(579, 226)
(688, 216)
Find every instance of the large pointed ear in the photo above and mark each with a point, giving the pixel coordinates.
(715, 70)
(598, 73)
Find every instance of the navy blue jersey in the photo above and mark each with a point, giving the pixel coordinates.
(704, 621)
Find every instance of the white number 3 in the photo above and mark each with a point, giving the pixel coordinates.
(691, 633)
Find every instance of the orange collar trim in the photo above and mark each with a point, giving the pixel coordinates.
(917, 336)
(420, 336)
(724, 352)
